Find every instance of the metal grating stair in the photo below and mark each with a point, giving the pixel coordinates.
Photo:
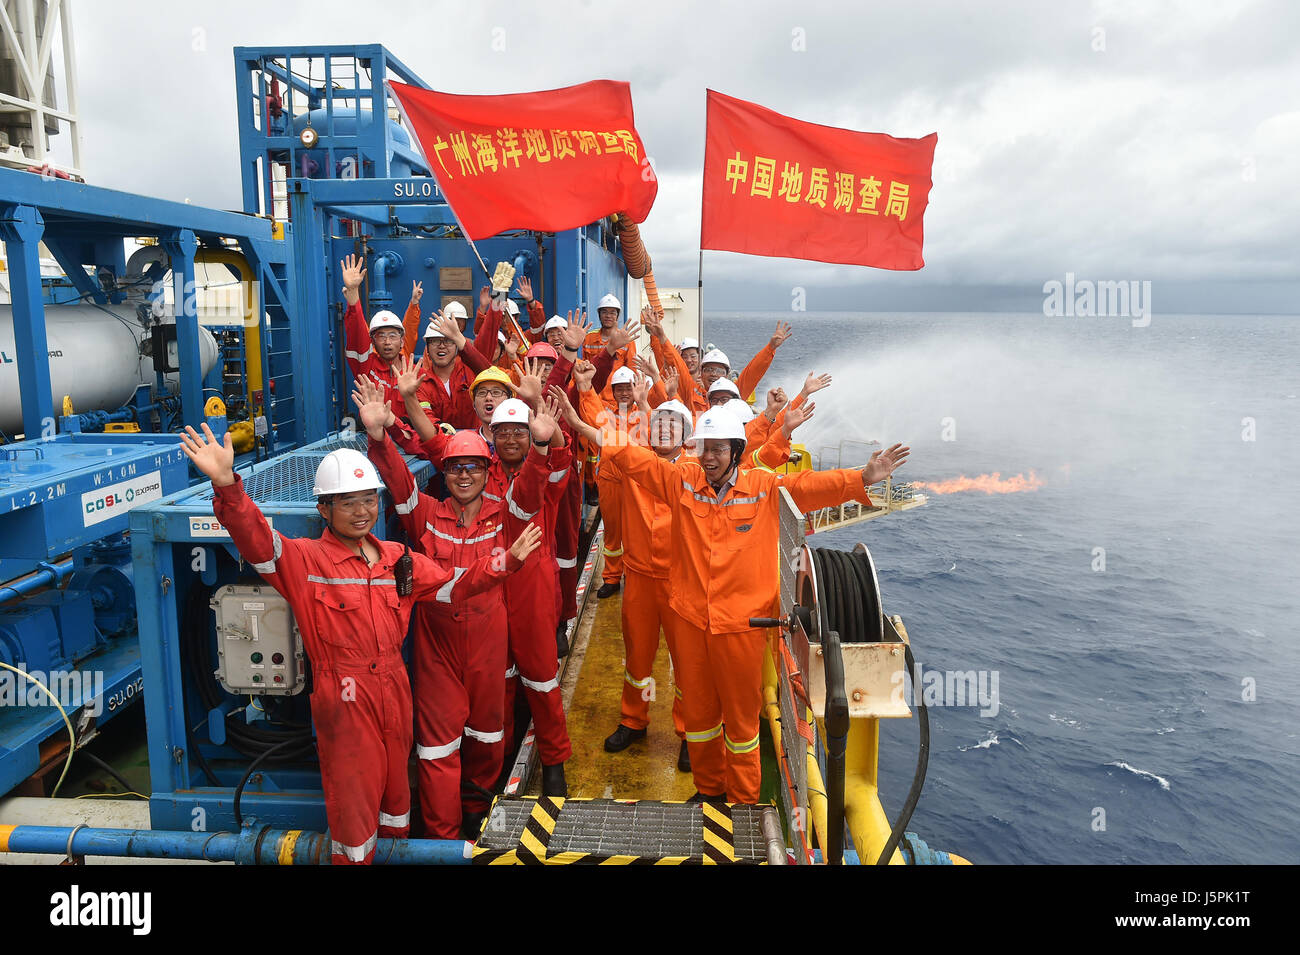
(553, 831)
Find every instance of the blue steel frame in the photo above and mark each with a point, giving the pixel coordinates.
(85, 225)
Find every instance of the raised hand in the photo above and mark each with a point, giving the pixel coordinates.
(646, 366)
(352, 269)
(484, 297)
(372, 406)
(526, 543)
(583, 372)
(776, 400)
(409, 375)
(525, 289)
(641, 391)
(653, 324)
(815, 383)
(577, 332)
(780, 335)
(560, 402)
(530, 382)
(214, 459)
(513, 345)
(796, 416)
(622, 336)
(449, 327)
(542, 423)
(671, 382)
(417, 291)
(884, 463)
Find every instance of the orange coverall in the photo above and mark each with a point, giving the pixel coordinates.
(724, 570)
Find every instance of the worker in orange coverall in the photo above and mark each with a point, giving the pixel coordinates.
(352, 596)
(724, 571)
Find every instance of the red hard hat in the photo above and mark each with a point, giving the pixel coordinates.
(543, 350)
(466, 444)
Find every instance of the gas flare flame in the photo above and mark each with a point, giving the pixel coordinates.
(993, 483)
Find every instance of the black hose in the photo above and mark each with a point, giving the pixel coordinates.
(126, 787)
(239, 790)
(922, 761)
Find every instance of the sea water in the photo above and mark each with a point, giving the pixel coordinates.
(1139, 608)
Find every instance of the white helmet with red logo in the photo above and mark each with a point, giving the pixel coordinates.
(510, 411)
(385, 319)
(345, 471)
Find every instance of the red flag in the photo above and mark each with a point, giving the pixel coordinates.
(547, 161)
(779, 186)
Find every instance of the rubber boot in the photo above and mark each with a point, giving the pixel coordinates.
(553, 783)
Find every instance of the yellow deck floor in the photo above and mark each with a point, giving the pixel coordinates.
(645, 770)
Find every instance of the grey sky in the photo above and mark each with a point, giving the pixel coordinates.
(1126, 140)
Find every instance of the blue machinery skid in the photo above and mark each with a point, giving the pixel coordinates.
(354, 184)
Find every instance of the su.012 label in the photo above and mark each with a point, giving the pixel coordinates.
(126, 694)
(413, 189)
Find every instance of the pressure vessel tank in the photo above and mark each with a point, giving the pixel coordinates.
(96, 357)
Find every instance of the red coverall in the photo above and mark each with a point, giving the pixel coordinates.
(533, 605)
(569, 515)
(460, 647)
(724, 571)
(352, 623)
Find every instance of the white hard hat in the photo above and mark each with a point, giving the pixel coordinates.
(676, 407)
(688, 343)
(432, 332)
(455, 310)
(344, 471)
(715, 357)
(610, 301)
(510, 411)
(512, 308)
(724, 384)
(622, 376)
(741, 410)
(385, 319)
(554, 322)
(719, 424)
(501, 337)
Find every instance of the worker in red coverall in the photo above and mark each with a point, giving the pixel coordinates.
(372, 349)
(449, 366)
(567, 337)
(460, 647)
(534, 602)
(534, 605)
(346, 593)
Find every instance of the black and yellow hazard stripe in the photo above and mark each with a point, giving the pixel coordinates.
(719, 837)
(533, 844)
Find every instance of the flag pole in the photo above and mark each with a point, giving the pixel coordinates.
(699, 300)
(397, 101)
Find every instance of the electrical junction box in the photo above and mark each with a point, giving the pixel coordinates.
(259, 648)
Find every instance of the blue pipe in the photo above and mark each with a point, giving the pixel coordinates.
(386, 263)
(49, 575)
(252, 845)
